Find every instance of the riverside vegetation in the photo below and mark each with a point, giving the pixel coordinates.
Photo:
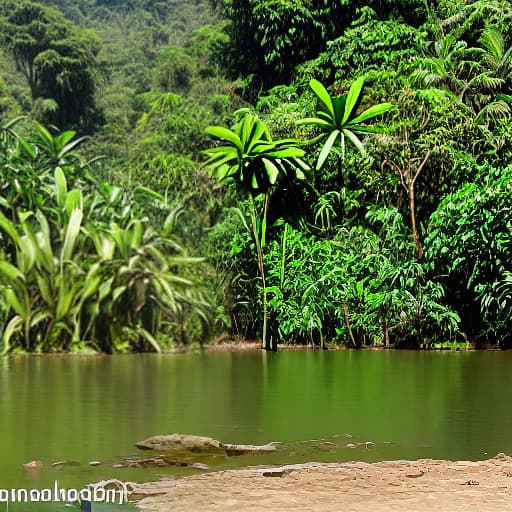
(299, 172)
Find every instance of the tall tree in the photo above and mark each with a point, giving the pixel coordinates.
(58, 60)
(258, 165)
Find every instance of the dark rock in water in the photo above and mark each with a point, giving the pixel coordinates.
(199, 444)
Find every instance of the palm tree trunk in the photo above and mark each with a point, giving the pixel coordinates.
(261, 266)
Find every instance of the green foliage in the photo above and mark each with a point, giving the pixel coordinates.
(338, 118)
(371, 46)
(175, 71)
(469, 246)
(327, 258)
(271, 38)
(252, 158)
(362, 288)
(259, 165)
(57, 60)
(83, 266)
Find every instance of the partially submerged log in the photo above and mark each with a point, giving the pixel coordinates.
(244, 449)
(199, 444)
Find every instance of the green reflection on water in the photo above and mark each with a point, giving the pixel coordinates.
(410, 404)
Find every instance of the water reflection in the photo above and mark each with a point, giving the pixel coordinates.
(386, 405)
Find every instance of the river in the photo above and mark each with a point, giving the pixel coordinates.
(388, 404)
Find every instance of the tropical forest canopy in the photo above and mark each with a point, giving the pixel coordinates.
(325, 172)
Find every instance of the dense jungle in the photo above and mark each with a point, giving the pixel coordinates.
(309, 172)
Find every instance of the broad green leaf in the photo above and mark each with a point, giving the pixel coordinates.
(173, 278)
(72, 232)
(115, 194)
(10, 272)
(62, 139)
(148, 337)
(136, 238)
(105, 289)
(45, 135)
(28, 253)
(14, 326)
(38, 317)
(69, 147)
(371, 112)
(286, 153)
(326, 148)
(74, 201)
(314, 121)
(27, 148)
(15, 303)
(272, 171)
(225, 134)
(107, 248)
(323, 95)
(353, 96)
(151, 193)
(247, 125)
(45, 257)
(45, 289)
(61, 186)
(359, 145)
(118, 292)
(258, 132)
(67, 296)
(9, 228)
(91, 287)
(185, 260)
(339, 103)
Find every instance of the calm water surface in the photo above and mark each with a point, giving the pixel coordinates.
(410, 404)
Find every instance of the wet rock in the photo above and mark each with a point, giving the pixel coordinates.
(200, 465)
(244, 449)
(180, 442)
(351, 445)
(275, 472)
(95, 463)
(327, 446)
(33, 464)
(63, 463)
(157, 461)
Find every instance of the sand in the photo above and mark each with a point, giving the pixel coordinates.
(349, 487)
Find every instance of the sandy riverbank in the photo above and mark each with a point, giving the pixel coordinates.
(397, 486)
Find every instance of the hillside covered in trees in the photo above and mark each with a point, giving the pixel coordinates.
(325, 172)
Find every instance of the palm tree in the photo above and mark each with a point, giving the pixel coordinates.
(338, 119)
(258, 165)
